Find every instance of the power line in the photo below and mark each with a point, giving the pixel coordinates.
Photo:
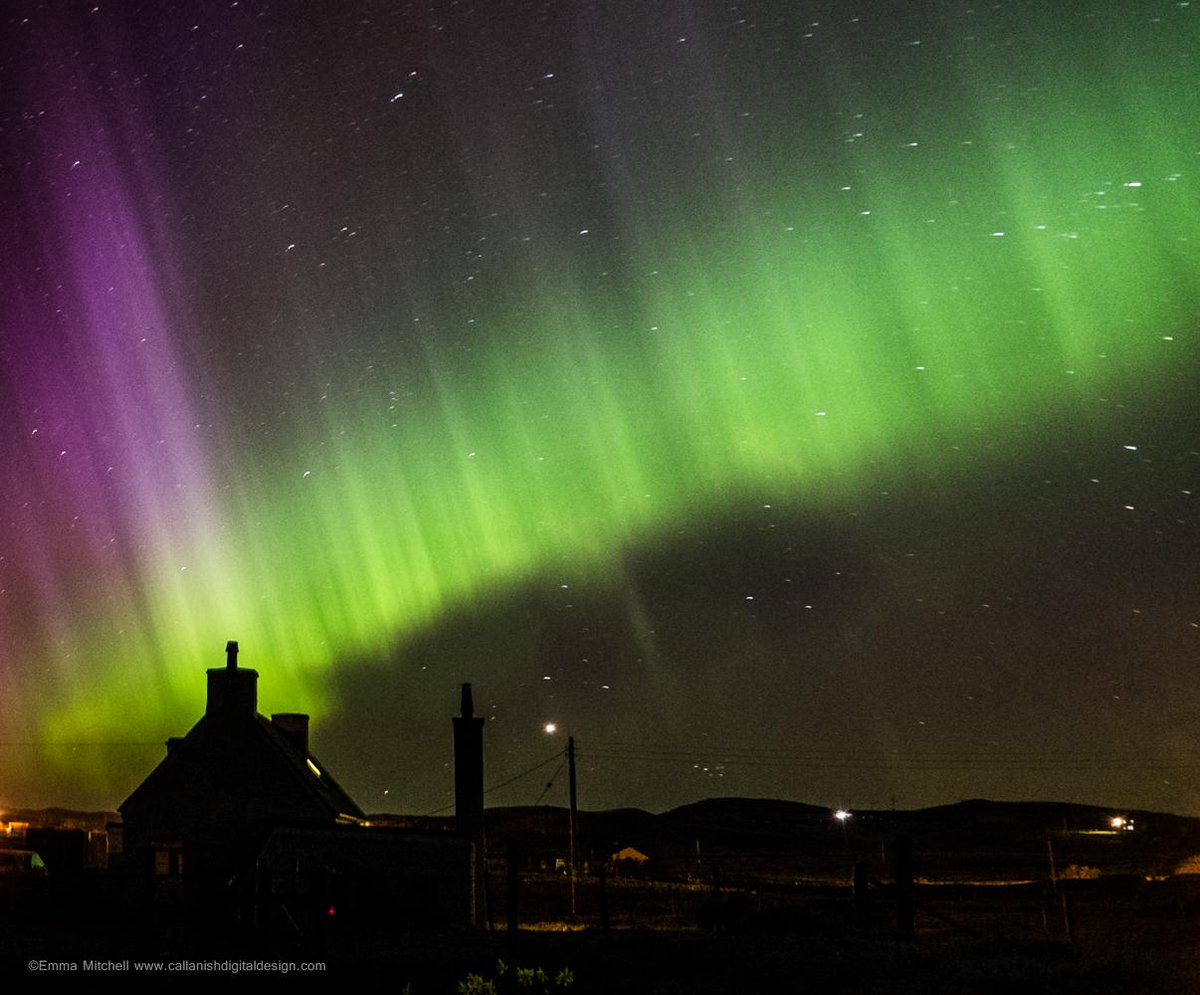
(550, 783)
(898, 763)
(505, 784)
(44, 744)
(517, 777)
(655, 748)
(932, 760)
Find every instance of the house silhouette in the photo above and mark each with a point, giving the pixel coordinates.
(239, 817)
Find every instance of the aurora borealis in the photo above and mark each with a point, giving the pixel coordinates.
(786, 398)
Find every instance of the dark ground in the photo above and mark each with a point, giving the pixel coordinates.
(739, 896)
(1129, 936)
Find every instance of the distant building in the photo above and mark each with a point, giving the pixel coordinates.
(240, 815)
(629, 854)
(628, 861)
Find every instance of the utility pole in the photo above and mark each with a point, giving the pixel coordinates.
(571, 824)
(905, 889)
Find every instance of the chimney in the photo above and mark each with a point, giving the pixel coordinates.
(294, 726)
(468, 788)
(232, 690)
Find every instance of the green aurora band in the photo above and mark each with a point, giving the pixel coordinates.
(827, 316)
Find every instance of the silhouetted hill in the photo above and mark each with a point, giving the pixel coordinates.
(734, 812)
(1011, 835)
(768, 838)
(784, 840)
(543, 830)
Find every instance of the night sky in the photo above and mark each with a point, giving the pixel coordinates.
(787, 399)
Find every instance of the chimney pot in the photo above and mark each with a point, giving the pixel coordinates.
(294, 726)
(232, 690)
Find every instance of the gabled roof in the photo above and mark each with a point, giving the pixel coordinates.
(235, 765)
(312, 773)
(266, 744)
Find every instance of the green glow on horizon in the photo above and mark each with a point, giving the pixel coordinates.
(770, 358)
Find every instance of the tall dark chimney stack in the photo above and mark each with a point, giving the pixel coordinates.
(468, 788)
(232, 690)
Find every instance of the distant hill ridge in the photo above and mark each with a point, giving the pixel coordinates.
(772, 837)
(775, 838)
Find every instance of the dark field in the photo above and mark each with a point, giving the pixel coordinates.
(735, 896)
(1128, 935)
